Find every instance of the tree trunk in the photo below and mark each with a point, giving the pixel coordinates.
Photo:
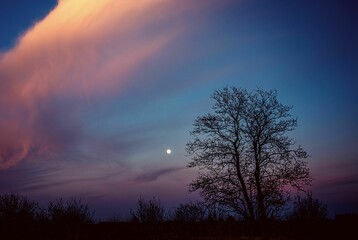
(260, 196)
(244, 189)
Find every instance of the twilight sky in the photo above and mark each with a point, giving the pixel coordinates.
(93, 92)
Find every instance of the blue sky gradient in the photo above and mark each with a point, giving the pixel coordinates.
(108, 143)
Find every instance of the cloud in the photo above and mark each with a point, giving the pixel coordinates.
(154, 175)
(81, 50)
(88, 180)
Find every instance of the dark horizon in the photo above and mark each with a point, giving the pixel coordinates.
(21, 218)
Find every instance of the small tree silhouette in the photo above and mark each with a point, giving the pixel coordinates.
(19, 216)
(72, 211)
(308, 209)
(69, 219)
(190, 212)
(16, 209)
(148, 211)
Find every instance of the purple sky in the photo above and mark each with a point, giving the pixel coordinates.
(92, 93)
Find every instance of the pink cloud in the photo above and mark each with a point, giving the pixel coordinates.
(79, 50)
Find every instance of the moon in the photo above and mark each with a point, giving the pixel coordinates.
(169, 151)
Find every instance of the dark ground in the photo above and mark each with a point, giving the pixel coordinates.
(341, 228)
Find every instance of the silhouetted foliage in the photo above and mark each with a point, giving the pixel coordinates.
(244, 155)
(72, 211)
(216, 212)
(57, 226)
(150, 211)
(190, 212)
(19, 216)
(308, 209)
(16, 209)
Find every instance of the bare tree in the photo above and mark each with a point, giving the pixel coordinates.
(244, 154)
(148, 211)
(16, 210)
(306, 208)
(190, 212)
(70, 212)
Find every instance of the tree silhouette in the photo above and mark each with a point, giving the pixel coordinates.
(244, 154)
(148, 211)
(190, 212)
(70, 212)
(19, 216)
(17, 209)
(307, 208)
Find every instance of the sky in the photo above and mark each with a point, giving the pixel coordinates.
(92, 93)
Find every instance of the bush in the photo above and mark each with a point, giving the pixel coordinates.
(72, 211)
(308, 209)
(148, 211)
(17, 210)
(190, 212)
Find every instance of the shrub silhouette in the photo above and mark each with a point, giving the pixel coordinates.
(308, 209)
(190, 212)
(72, 211)
(19, 216)
(16, 209)
(148, 211)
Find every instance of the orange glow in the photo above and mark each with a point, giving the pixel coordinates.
(82, 48)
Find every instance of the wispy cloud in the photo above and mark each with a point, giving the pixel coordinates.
(87, 180)
(154, 175)
(79, 51)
